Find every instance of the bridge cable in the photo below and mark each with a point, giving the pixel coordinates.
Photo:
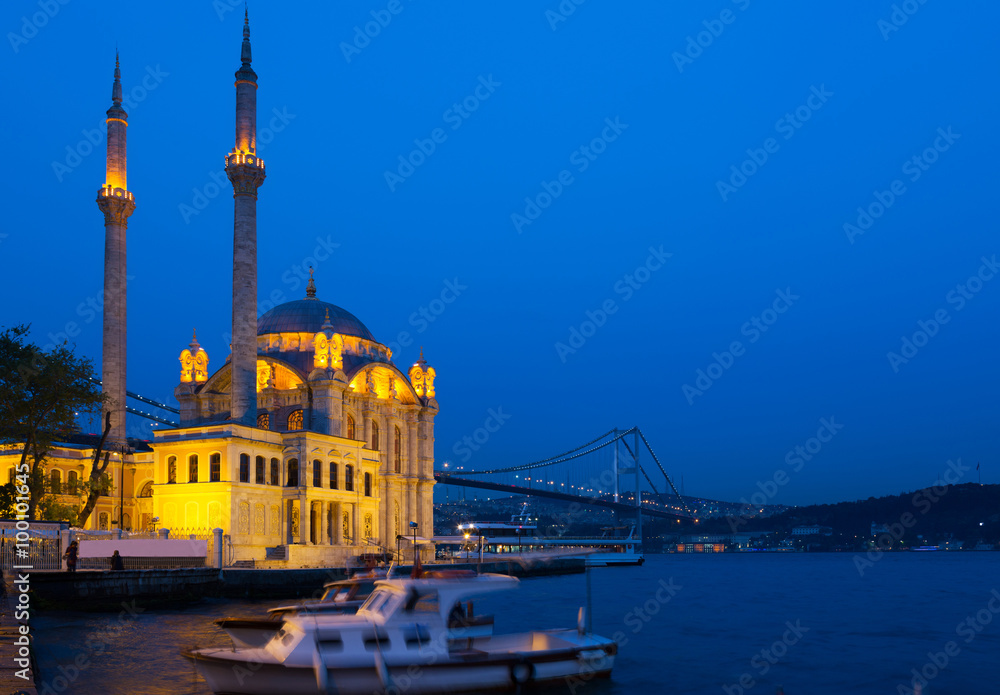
(551, 461)
(672, 487)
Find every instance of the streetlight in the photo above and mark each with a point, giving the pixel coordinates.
(413, 529)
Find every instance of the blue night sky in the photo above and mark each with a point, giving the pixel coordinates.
(580, 163)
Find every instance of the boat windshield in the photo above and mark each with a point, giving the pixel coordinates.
(381, 602)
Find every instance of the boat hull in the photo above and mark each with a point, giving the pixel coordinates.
(232, 673)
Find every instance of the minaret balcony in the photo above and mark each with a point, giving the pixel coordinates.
(234, 158)
(109, 192)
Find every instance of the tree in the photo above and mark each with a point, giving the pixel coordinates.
(41, 393)
(99, 482)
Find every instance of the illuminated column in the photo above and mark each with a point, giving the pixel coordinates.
(115, 201)
(246, 172)
(338, 523)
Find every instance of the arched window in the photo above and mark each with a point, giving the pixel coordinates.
(72, 481)
(317, 473)
(215, 468)
(349, 478)
(260, 470)
(147, 490)
(126, 522)
(275, 472)
(172, 469)
(374, 435)
(293, 473)
(55, 482)
(295, 420)
(397, 451)
(264, 421)
(368, 484)
(193, 468)
(333, 475)
(244, 468)
(349, 435)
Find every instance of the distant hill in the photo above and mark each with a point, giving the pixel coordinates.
(967, 512)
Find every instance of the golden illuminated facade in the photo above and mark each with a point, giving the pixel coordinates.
(67, 468)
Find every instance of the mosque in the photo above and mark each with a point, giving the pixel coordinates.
(307, 446)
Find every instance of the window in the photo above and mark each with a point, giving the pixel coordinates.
(317, 473)
(172, 469)
(350, 430)
(260, 470)
(374, 435)
(244, 468)
(295, 420)
(264, 421)
(147, 490)
(193, 468)
(368, 484)
(293, 473)
(215, 468)
(397, 451)
(72, 481)
(349, 478)
(333, 475)
(55, 482)
(275, 472)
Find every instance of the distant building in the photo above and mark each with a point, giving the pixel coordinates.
(812, 531)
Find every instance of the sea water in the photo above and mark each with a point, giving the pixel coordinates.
(716, 624)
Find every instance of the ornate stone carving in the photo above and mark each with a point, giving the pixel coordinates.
(258, 520)
(295, 520)
(246, 173)
(275, 518)
(116, 204)
(368, 526)
(244, 518)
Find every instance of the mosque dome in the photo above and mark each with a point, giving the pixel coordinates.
(308, 316)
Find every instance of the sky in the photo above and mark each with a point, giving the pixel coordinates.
(743, 227)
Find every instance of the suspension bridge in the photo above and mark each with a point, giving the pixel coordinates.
(604, 472)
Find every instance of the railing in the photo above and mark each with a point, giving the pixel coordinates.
(40, 554)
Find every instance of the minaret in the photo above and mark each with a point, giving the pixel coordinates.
(117, 203)
(246, 172)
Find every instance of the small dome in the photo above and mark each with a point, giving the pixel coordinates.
(308, 316)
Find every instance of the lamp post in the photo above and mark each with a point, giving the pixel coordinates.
(413, 529)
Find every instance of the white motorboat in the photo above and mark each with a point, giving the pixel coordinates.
(343, 596)
(411, 635)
